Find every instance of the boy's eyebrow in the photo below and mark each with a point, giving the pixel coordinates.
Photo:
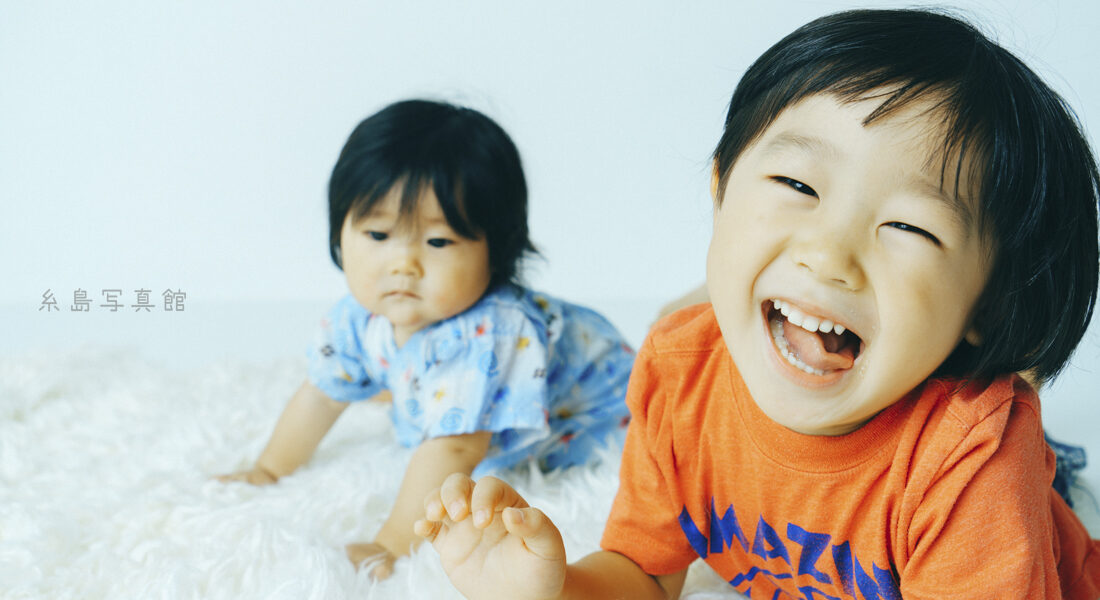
(957, 204)
(794, 141)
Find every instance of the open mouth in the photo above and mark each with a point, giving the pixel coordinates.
(812, 344)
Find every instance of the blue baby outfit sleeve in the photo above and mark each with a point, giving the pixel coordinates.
(337, 365)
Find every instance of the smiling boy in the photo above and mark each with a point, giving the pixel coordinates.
(875, 246)
(904, 217)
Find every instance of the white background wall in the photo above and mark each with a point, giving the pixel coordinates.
(187, 145)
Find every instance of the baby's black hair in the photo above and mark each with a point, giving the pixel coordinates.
(465, 157)
(1037, 182)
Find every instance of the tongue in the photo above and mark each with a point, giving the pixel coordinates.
(810, 348)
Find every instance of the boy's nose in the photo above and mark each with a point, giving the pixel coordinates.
(831, 256)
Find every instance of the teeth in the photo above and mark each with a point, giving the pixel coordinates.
(797, 317)
(785, 350)
(808, 322)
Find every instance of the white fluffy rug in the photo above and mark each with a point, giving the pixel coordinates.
(105, 489)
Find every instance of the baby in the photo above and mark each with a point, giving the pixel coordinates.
(428, 221)
(905, 216)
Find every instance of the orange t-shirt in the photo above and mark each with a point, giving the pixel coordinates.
(945, 494)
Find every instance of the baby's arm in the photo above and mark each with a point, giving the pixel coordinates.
(304, 422)
(493, 546)
(431, 463)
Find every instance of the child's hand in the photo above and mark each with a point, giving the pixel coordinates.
(373, 557)
(491, 544)
(257, 475)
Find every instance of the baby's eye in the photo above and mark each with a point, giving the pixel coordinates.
(440, 242)
(378, 236)
(916, 230)
(796, 185)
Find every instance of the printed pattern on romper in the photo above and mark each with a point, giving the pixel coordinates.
(547, 377)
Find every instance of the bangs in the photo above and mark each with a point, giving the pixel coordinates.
(952, 108)
(465, 158)
(412, 187)
(962, 142)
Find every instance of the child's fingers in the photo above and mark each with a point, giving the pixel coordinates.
(253, 476)
(372, 557)
(433, 506)
(258, 477)
(427, 529)
(540, 535)
(490, 495)
(454, 495)
(231, 477)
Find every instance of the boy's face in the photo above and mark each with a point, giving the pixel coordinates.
(414, 271)
(827, 222)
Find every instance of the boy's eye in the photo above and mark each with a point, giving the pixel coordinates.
(439, 242)
(796, 185)
(916, 230)
(378, 236)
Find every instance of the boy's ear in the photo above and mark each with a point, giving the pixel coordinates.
(973, 336)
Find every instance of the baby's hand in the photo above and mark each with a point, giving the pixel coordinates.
(373, 557)
(256, 476)
(491, 544)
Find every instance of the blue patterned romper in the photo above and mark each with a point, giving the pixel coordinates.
(546, 377)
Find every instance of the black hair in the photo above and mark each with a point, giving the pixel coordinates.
(1036, 178)
(465, 157)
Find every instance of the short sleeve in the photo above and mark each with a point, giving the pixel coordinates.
(337, 361)
(645, 521)
(984, 527)
(485, 372)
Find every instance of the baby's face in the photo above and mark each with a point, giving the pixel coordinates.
(840, 274)
(414, 271)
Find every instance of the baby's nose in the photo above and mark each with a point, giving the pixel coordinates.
(406, 263)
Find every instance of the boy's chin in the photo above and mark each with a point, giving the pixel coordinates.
(809, 416)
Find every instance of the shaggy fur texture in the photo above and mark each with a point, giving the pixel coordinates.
(106, 492)
(105, 489)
